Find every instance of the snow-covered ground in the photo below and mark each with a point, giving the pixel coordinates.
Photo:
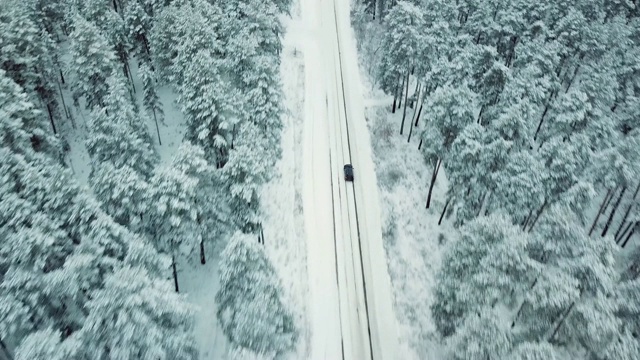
(281, 198)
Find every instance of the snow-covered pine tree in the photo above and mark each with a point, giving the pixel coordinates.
(572, 299)
(482, 336)
(476, 154)
(119, 134)
(173, 206)
(250, 308)
(137, 316)
(451, 109)
(207, 101)
(401, 45)
(46, 344)
(138, 24)
(263, 104)
(487, 267)
(28, 56)
(92, 63)
(519, 187)
(244, 173)
(151, 100)
(112, 26)
(122, 192)
(58, 247)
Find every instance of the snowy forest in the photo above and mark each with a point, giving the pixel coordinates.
(90, 271)
(531, 111)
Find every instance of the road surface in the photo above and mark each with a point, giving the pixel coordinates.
(351, 308)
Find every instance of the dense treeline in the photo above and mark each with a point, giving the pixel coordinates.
(87, 279)
(532, 109)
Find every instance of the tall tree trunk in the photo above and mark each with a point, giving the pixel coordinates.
(434, 175)
(526, 220)
(175, 272)
(480, 114)
(420, 144)
(623, 222)
(544, 113)
(400, 92)
(613, 212)
(444, 210)
(64, 104)
(414, 115)
(624, 232)
(129, 75)
(573, 77)
(604, 204)
(627, 212)
(633, 230)
(61, 76)
(53, 125)
(155, 118)
(419, 112)
(203, 259)
(399, 86)
(406, 100)
(535, 220)
(564, 317)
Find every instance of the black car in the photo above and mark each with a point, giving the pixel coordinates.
(348, 172)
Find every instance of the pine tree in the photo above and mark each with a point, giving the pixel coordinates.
(481, 337)
(151, 100)
(244, 173)
(487, 266)
(28, 56)
(173, 204)
(119, 134)
(137, 316)
(207, 102)
(58, 247)
(250, 308)
(93, 61)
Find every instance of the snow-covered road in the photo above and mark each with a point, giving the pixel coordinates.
(351, 307)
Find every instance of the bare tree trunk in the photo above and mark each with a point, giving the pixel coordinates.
(419, 112)
(64, 104)
(406, 100)
(627, 212)
(395, 93)
(129, 75)
(480, 114)
(535, 220)
(203, 259)
(155, 118)
(624, 232)
(400, 94)
(53, 125)
(420, 144)
(444, 210)
(544, 113)
(613, 212)
(175, 273)
(633, 230)
(564, 317)
(434, 175)
(414, 115)
(602, 207)
(526, 220)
